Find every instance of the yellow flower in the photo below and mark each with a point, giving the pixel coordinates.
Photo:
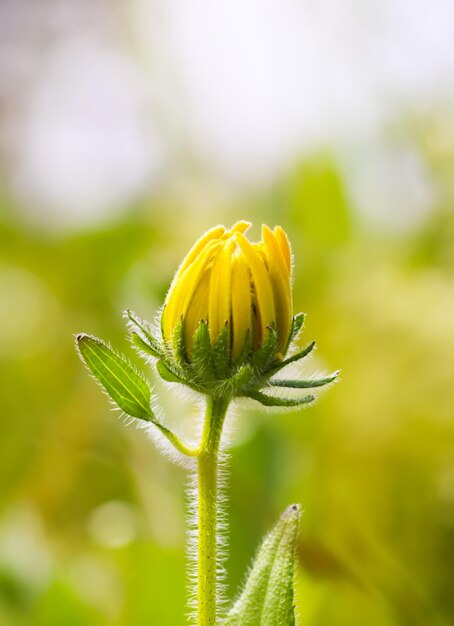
(225, 280)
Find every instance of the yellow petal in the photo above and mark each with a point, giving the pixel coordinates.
(262, 285)
(241, 302)
(197, 309)
(240, 227)
(219, 297)
(214, 233)
(280, 282)
(182, 290)
(284, 245)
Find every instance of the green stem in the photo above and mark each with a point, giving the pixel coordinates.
(177, 443)
(208, 461)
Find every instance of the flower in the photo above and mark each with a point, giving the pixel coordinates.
(229, 283)
(226, 327)
(227, 323)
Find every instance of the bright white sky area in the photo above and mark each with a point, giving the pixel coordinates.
(103, 101)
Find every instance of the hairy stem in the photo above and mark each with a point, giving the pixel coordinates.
(208, 461)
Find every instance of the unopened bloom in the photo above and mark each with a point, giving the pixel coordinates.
(227, 323)
(235, 286)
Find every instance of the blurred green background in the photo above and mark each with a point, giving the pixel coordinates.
(102, 193)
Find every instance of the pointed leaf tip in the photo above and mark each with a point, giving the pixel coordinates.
(268, 596)
(120, 380)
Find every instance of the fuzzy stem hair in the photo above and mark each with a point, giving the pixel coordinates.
(207, 512)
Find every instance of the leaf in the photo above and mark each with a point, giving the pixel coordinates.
(122, 383)
(267, 598)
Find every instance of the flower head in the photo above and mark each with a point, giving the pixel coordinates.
(227, 321)
(233, 286)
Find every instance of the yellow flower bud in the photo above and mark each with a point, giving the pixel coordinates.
(225, 280)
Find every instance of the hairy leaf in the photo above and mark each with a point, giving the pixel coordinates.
(121, 381)
(267, 598)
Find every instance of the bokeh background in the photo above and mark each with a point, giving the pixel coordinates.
(127, 128)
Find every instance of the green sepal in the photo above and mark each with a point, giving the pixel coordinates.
(166, 373)
(266, 353)
(142, 329)
(275, 401)
(143, 346)
(178, 345)
(221, 354)
(268, 595)
(202, 355)
(305, 384)
(292, 359)
(121, 381)
(241, 379)
(297, 325)
(245, 350)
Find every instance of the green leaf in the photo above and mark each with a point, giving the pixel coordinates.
(267, 598)
(305, 384)
(122, 383)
